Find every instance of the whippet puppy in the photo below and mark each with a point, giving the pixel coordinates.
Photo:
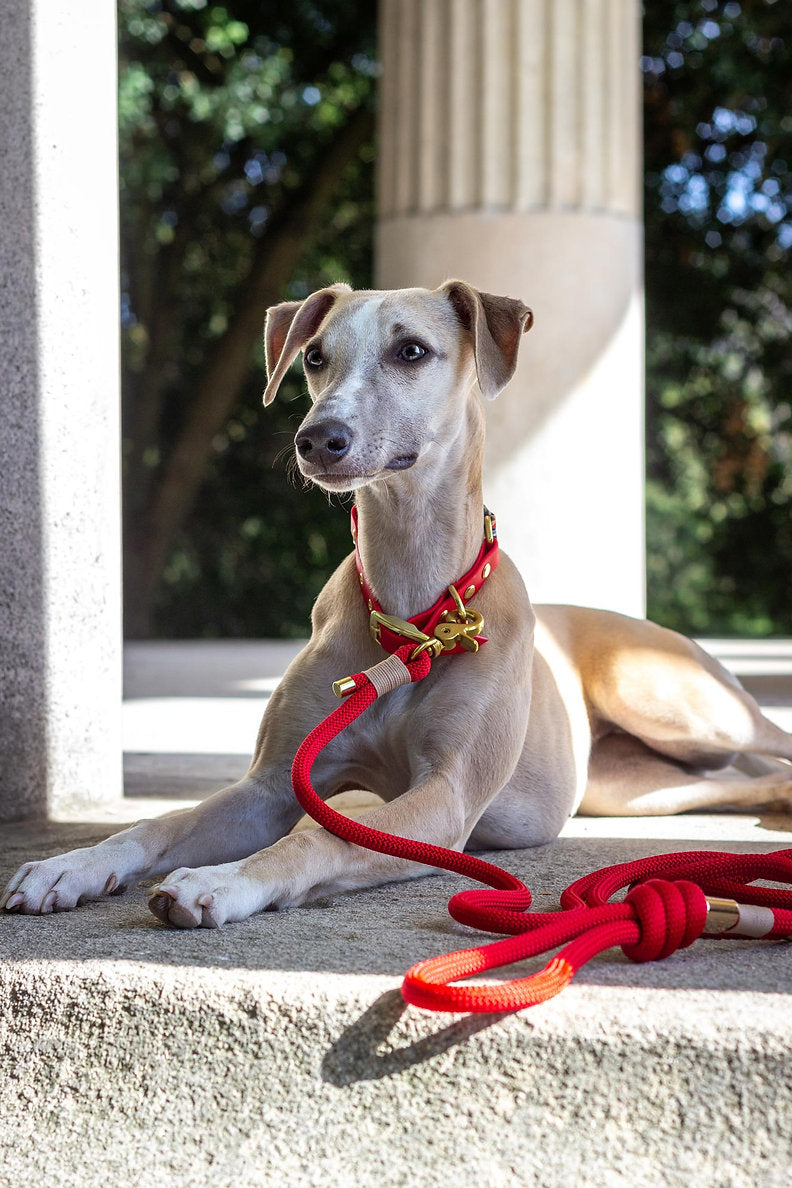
(561, 710)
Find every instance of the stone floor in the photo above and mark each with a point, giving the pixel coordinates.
(279, 1049)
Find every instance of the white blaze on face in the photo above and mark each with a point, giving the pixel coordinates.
(352, 343)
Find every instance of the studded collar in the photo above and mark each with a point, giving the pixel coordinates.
(447, 606)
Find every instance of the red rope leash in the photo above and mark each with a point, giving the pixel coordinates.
(666, 909)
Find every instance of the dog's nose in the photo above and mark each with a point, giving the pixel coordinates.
(324, 443)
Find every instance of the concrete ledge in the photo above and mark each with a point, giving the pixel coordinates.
(280, 1050)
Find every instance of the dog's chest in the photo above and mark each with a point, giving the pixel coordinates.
(383, 747)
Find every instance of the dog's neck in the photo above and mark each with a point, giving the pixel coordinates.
(420, 530)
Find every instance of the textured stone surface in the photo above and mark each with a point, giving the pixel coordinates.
(279, 1049)
(60, 642)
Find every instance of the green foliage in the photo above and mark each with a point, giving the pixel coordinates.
(261, 543)
(718, 93)
(227, 113)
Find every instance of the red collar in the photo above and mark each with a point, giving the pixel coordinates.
(446, 608)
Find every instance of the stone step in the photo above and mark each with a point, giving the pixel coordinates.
(279, 1050)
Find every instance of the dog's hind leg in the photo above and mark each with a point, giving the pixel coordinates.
(629, 779)
(666, 691)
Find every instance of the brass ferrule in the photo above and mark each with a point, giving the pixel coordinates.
(722, 915)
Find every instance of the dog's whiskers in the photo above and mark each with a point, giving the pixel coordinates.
(286, 453)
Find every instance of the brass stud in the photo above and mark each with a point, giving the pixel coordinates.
(471, 590)
(486, 571)
(360, 575)
(370, 605)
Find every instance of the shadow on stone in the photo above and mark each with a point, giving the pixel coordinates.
(366, 1052)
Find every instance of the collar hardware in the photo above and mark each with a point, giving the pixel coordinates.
(405, 630)
(460, 626)
(450, 626)
(457, 628)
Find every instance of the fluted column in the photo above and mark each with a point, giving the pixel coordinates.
(510, 157)
(60, 576)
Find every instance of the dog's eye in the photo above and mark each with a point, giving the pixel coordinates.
(314, 357)
(411, 352)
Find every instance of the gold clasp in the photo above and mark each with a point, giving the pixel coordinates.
(432, 646)
(458, 627)
(408, 631)
(378, 620)
(461, 627)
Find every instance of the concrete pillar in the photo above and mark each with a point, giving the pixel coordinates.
(60, 620)
(509, 157)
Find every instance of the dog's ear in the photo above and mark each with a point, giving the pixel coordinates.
(495, 324)
(288, 328)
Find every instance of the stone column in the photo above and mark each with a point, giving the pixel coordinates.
(510, 157)
(60, 618)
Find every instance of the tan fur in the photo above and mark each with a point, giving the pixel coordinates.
(564, 709)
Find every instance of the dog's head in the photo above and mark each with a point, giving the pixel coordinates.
(388, 372)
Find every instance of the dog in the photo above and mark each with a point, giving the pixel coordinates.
(561, 710)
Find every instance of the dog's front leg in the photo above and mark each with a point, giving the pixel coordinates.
(231, 824)
(306, 865)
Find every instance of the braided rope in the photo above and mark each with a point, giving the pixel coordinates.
(664, 910)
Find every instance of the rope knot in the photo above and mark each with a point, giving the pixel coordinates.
(670, 916)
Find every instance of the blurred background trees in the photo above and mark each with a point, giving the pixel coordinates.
(246, 171)
(718, 144)
(247, 150)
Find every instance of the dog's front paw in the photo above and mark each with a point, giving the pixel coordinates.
(207, 897)
(59, 884)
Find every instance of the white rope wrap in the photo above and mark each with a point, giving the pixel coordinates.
(754, 920)
(388, 675)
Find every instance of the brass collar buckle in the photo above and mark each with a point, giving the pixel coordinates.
(459, 627)
(408, 631)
